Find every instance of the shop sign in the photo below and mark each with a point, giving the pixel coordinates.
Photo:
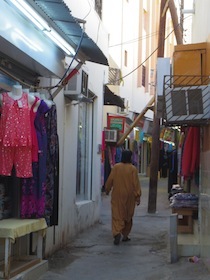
(116, 122)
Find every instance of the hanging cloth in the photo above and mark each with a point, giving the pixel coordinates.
(33, 189)
(52, 169)
(191, 152)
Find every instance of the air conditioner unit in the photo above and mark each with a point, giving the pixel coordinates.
(77, 87)
(111, 135)
(187, 104)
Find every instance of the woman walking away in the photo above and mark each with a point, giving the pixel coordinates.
(126, 191)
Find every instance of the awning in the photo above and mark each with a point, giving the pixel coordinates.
(112, 99)
(59, 16)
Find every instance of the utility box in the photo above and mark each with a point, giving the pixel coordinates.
(191, 60)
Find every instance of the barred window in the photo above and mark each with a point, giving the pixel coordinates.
(114, 76)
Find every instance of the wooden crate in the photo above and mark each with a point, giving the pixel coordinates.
(185, 219)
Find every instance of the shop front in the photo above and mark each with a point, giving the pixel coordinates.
(35, 182)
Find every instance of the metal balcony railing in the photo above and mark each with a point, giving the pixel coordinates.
(186, 100)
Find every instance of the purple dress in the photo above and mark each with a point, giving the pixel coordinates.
(33, 189)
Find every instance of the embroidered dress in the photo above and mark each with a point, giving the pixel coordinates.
(15, 136)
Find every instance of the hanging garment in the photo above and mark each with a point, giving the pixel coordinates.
(191, 152)
(35, 147)
(34, 189)
(52, 169)
(15, 137)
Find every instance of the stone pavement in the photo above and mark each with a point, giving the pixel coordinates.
(92, 255)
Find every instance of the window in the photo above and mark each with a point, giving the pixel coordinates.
(114, 76)
(84, 152)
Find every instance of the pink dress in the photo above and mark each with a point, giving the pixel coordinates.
(15, 137)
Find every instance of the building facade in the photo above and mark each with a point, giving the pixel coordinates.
(133, 44)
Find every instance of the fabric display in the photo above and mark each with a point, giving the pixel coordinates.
(175, 189)
(29, 153)
(184, 200)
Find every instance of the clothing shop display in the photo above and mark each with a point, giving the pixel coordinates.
(184, 200)
(28, 157)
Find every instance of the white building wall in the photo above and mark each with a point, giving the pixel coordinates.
(200, 25)
(121, 19)
(74, 215)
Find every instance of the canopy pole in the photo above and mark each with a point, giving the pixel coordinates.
(147, 107)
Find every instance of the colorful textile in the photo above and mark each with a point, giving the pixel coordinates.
(15, 136)
(191, 152)
(33, 189)
(15, 129)
(20, 157)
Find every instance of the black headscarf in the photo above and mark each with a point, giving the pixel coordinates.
(126, 156)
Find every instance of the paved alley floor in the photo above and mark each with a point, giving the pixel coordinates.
(93, 256)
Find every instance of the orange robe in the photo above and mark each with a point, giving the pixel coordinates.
(126, 191)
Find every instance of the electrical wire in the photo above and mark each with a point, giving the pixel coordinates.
(121, 78)
(143, 37)
(74, 57)
(135, 40)
(90, 8)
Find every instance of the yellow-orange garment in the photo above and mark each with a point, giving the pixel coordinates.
(126, 191)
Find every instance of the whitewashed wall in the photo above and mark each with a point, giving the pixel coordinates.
(76, 216)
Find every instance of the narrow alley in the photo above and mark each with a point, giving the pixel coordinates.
(92, 254)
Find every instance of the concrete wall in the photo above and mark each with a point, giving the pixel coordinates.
(75, 216)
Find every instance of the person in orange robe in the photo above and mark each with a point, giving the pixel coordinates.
(124, 183)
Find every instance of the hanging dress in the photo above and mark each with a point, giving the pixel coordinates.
(33, 189)
(52, 177)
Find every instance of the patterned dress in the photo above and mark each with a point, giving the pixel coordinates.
(33, 189)
(52, 179)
